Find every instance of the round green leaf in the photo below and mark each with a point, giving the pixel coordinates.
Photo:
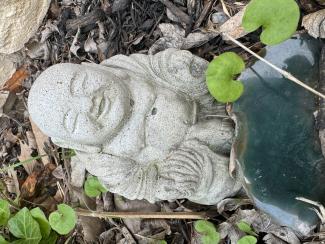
(44, 225)
(220, 74)
(4, 212)
(247, 240)
(208, 232)
(245, 227)
(93, 187)
(278, 18)
(63, 220)
(23, 226)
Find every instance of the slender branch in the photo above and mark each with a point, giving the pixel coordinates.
(283, 72)
(142, 215)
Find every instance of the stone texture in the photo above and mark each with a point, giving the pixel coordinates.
(7, 69)
(141, 124)
(19, 21)
(277, 145)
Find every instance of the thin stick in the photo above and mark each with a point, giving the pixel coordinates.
(283, 72)
(142, 215)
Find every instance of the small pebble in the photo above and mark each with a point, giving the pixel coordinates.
(219, 18)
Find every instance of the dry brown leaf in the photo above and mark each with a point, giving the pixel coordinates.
(233, 27)
(29, 186)
(26, 152)
(41, 140)
(14, 84)
(8, 136)
(315, 24)
(260, 222)
(174, 37)
(91, 227)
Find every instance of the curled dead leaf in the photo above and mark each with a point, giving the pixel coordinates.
(29, 186)
(14, 84)
(315, 24)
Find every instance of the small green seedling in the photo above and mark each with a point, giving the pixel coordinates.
(247, 240)
(63, 220)
(93, 187)
(4, 212)
(220, 77)
(208, 232)
(245, 227)
(278, 18)
(25, 227)
(41, 219)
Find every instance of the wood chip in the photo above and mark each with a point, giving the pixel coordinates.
(315, 24)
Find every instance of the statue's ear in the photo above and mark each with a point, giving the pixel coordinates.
(76, 146)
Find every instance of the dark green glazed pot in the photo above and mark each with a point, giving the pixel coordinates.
(277, 145)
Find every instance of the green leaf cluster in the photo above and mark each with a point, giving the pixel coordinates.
(278, 19)
(32, 227)
(208, 232)
(93, 187)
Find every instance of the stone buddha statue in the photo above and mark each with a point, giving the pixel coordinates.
(144, 125)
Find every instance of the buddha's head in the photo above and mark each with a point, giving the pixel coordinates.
(79, 106)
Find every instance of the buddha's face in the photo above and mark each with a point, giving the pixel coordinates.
(79, 104)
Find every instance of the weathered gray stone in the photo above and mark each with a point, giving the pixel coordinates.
(7, 69)
(141, 124)
(19, 21)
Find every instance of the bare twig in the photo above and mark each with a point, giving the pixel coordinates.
(142, 215)
(320, 213)
(283, 72)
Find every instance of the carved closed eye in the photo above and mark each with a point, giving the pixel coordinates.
(70, 121)
(78, 83)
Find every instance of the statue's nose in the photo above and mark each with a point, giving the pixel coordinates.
(84, 104)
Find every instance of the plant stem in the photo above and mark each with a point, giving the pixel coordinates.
(21, 163)
(283, 72)
(70, 154)
(142, 215)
